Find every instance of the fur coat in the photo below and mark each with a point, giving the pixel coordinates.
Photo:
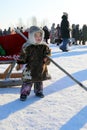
(36, 67)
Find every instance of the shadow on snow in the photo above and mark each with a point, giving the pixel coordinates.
(77, 121)
(17, 105)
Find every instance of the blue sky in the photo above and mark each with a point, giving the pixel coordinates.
(12, 11)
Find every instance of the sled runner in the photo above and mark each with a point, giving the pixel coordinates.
(12, 45)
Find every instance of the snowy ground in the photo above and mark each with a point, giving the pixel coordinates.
(65, 104)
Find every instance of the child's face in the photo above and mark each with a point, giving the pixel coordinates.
(38, 37)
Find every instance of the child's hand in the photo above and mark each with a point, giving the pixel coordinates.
(45, 59)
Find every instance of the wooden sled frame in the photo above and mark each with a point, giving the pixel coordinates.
(8, 77)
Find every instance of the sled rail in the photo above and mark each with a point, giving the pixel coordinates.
(9, 78)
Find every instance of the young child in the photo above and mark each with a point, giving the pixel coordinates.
(33, 55)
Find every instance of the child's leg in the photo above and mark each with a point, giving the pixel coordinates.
(25, 90)
(38, 89)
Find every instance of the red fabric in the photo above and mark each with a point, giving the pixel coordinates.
(12, 43)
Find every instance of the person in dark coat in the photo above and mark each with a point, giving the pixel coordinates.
(46, 34)
(34, 55)
(65, 32)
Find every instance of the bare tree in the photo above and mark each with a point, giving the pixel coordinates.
(44, 22)
(20, 23)
(34, 21)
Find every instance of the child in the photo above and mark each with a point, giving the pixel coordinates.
(34, 54)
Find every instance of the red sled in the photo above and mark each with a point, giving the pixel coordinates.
(12, 45)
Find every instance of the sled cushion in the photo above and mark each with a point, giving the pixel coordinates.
(12, 43)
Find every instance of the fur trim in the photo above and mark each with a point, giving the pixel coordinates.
(32, 31)
(26, 44)
(31, 40)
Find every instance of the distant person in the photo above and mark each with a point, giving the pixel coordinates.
(46, 34)
(52, 33)
(58, 38)
(65, 32)
(4, 32)
(34, 55)
(9, 31)
(1, 33)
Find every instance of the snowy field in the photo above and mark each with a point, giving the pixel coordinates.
(64, 106)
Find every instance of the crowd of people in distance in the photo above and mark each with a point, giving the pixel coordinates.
(61, 34)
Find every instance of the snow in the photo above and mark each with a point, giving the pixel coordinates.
(64, 106)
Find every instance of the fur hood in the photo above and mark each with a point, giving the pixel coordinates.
(31, 33)
(31, 40)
